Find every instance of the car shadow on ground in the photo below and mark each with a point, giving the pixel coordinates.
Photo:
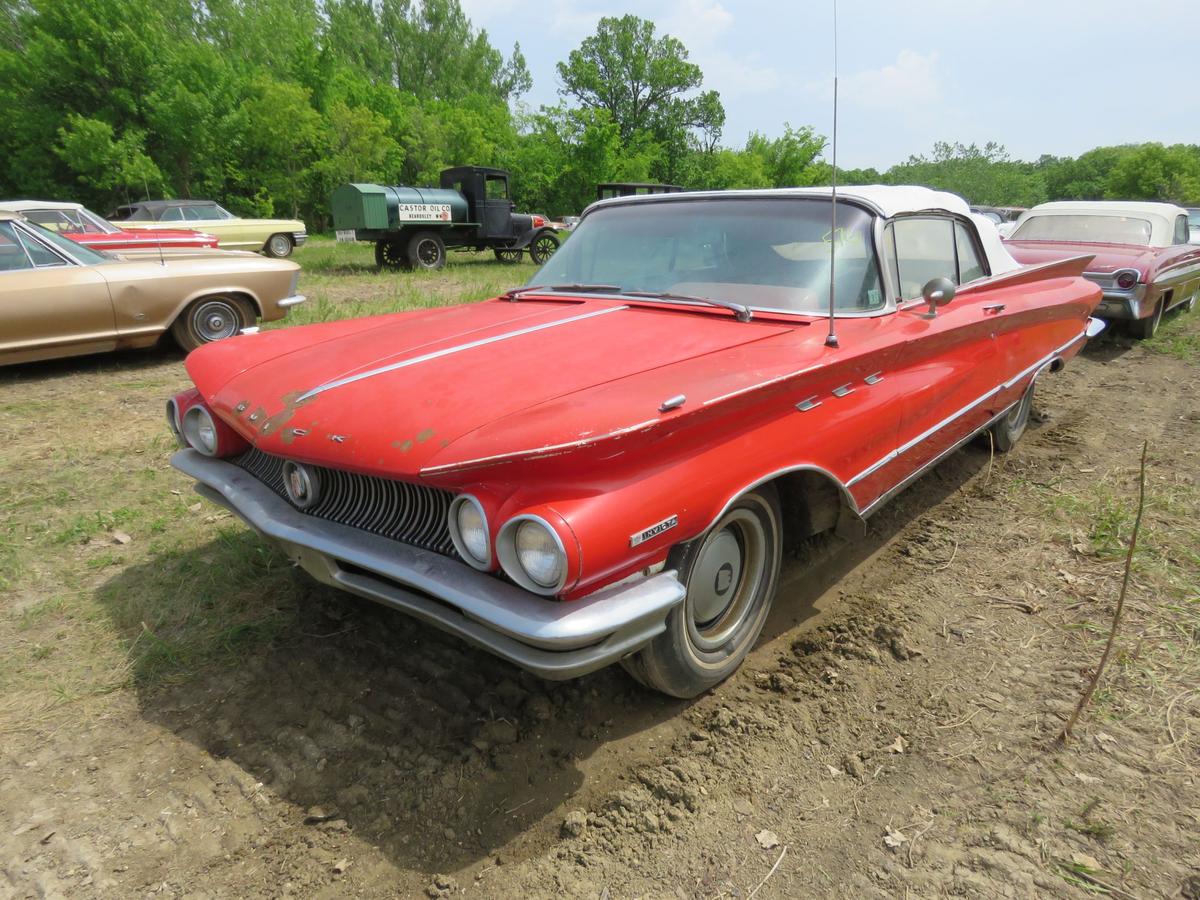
(435, 752)
(102, 365)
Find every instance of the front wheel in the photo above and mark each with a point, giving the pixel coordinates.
(731, 575)
(542, 248)
(1148, 327)
(1008, 429)
(211, 319)
(426, 250)
(280, 245)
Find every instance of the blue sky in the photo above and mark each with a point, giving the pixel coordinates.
(1055, 76)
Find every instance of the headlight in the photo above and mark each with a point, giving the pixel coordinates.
(469, 531)
(532, 554)
(173, 422)
(200, 430)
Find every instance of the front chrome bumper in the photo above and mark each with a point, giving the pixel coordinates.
(294, 300)
(556, 640)
(299, 237)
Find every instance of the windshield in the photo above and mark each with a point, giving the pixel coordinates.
(85, 255)
(69, 221)
(1083, 228)
(766, 253)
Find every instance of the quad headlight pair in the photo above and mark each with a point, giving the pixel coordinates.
(528, 549)
(195, 426)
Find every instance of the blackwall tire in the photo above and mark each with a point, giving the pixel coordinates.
(542, 248)
(390, 255)
(1144, 329)
(731, 574)
(1007, 430)
(211, 319)
(508, 256)
(279, 246)
(426, 250)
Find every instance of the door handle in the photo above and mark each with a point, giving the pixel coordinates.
(993, 308)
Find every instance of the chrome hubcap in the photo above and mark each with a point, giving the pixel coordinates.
(725, 579)
(279, 246)
(216, 320)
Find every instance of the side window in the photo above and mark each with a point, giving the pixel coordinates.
(174, 214)
(41, 256)
(969, 267)
(1181, 230)
(924, 249)
(497, 188)
(12, 255)
(198, 213)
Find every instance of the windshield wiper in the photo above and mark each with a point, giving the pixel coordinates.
(516, 293)
(741, 311)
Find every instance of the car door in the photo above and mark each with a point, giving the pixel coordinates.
(49, 305)
(949, 362)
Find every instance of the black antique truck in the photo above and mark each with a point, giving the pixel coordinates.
(412, 227)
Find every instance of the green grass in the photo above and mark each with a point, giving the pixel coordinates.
(1179, 336)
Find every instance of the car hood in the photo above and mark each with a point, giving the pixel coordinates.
(455, 387)
(1108, 257)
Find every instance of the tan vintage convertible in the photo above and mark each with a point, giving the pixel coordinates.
(58, 298)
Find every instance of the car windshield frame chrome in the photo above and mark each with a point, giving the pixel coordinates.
(888, 306)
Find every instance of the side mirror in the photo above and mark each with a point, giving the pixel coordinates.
(938, 292)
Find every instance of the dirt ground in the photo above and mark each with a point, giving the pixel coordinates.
(892, 734)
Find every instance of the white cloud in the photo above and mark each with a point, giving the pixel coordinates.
(699, 24)
(911, 82)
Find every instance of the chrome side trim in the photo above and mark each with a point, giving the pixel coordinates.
(437, 354)
(809, 403)
(913, 476)
(929, 432)
(294, 300)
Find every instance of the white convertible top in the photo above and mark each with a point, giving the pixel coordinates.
(887, 199)
(1161, 216)
(23, 205)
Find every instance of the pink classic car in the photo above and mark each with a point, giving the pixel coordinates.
(74, 221)
(1143, 261)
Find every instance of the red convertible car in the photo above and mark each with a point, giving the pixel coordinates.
(83, 226)
(608, 463)
(1143, 261)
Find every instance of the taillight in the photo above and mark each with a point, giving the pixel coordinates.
(1126, 280)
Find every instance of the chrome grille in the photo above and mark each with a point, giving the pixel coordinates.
(409, 513)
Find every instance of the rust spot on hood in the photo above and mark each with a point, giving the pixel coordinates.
(402, 446)
(424, 435)
(291, 402)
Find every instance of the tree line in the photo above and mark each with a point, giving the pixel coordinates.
(267, 105)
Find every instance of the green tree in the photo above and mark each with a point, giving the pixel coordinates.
(638, 78)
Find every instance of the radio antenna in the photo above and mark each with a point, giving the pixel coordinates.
(831, 339)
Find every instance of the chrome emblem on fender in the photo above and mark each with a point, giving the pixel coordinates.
(653, 531)
(302, 484)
